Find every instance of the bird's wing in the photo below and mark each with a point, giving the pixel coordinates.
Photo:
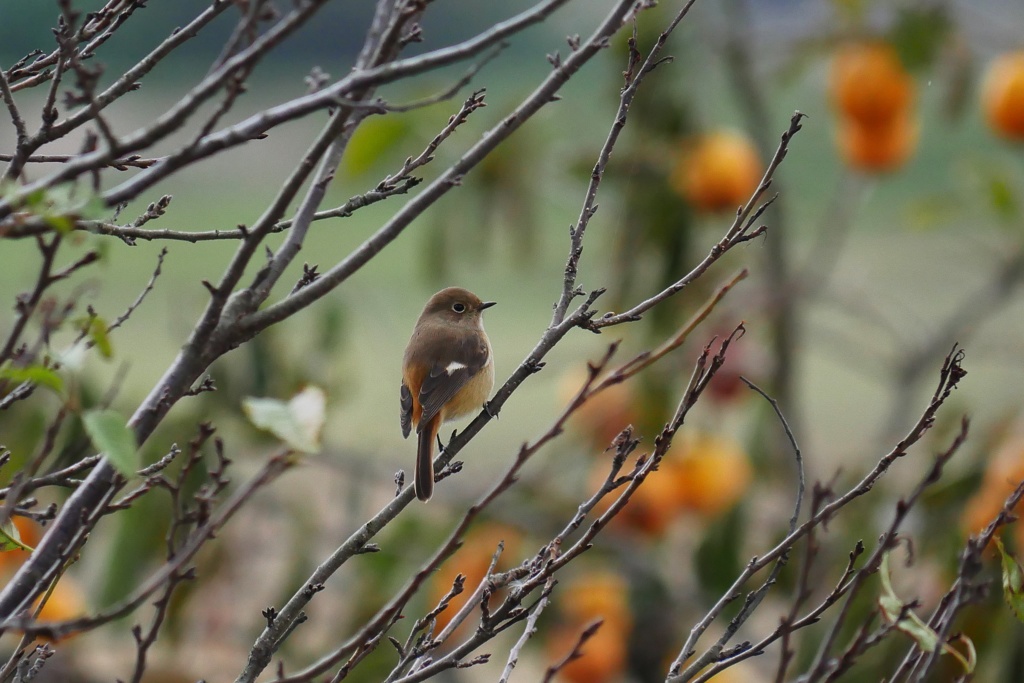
(447, 377)
(406, 411)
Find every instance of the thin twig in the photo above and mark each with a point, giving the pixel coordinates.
(123, 164)
(541, 97)
(101, 485)
(949, 377)
(529, 630)
(63, 477)
(801, 484)
(629, 90)
(274, 467)
(740, 231)
(963, 590)
(12, 109)
(142, 295)
(823, 664)
(575, 653)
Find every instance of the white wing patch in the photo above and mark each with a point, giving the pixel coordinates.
(453, 366)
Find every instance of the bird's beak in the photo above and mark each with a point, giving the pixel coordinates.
(486, 304)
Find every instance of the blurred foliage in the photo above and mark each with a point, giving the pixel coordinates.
(920, 34)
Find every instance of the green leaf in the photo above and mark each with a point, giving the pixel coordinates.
(35, 198)
(10, 539)
(110, 433)
(298, 422)
(891, 607)
(39, 375)
(62, 224)
(60, 207)
(97, 330)
(98, 334)
(1002, 198)
(1013, 581)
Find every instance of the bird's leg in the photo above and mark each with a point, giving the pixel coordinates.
(490, 413)
(443, 447)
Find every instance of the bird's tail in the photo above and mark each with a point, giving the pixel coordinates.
(424, 475)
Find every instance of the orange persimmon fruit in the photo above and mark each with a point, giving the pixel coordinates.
(595, 595)
(604, 415)
(877, 148)
(869, 85)
(602, 658)
(472, 560)
(1005, 469)
(711, 473)
(717, 171)
(1002, 95)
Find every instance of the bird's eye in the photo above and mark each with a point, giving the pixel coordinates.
(459, 307)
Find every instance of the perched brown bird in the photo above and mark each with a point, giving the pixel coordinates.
(448, 372)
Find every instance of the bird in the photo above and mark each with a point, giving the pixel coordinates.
(447, 373)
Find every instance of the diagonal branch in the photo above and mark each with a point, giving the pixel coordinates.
(633, 81)
(361, 79)
(542, 96)
(949, 377)
(12, 109)
(177, 115)
(739, 232)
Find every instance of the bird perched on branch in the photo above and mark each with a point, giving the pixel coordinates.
(448, 372)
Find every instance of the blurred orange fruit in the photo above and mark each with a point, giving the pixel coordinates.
(877, 148)
(603, 656)
(717, 171)
(981, 509)
(700, 473)
(869, 85)
(712, 473)
(65, 602)
(1002, 95)
(595, 595)
(1004, 471)
(654, 504)
(604, 415)
(472, 560)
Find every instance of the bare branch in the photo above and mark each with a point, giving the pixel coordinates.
(964, 590)
(12, 109)
(26, 304)
(801, 484)
(273, 468)
(949, 376)
(575, 653)
(739, 232)
(178, 114)
(450, 178)
(123, 164)
(633, 81)
(529, 630)
(142, 295)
